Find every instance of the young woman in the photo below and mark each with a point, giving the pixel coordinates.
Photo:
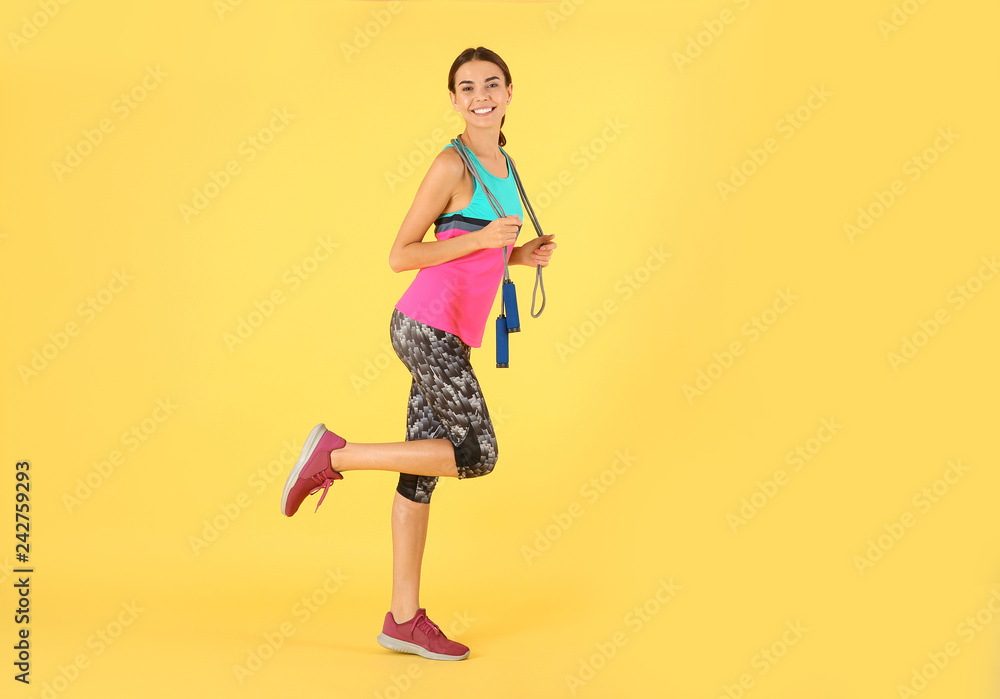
(433, 327)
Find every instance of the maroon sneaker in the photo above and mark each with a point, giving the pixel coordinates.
(420, 636)
(312, 472)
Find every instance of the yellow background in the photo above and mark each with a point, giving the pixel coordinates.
(583, 388)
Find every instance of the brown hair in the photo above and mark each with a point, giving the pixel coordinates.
(480, 53)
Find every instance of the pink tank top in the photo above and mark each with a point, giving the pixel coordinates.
(457, 296)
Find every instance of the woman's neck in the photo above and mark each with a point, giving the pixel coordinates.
(484, 143)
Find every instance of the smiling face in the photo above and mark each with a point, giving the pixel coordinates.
(481, 95)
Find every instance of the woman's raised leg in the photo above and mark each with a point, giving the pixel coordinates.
(422, 457)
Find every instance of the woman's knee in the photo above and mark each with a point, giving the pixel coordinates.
(476, 455)
(416, 489)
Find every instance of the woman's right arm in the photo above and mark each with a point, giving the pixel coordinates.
(441, 181)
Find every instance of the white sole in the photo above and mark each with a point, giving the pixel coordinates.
(406, 647)
(308, 448)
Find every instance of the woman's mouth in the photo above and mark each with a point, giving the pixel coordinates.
(483, 111)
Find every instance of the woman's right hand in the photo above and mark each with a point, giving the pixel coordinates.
(499, 232)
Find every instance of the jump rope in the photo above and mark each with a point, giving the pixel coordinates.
(508, 320)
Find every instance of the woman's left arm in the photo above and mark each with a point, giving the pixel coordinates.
(534, 253)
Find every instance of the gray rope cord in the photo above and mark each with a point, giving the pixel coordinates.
(461, 148)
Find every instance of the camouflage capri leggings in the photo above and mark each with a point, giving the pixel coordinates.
(445, 402)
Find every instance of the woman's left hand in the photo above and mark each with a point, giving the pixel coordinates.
(538, 252)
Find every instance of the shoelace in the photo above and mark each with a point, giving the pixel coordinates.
(325, 487)
(428, 626)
